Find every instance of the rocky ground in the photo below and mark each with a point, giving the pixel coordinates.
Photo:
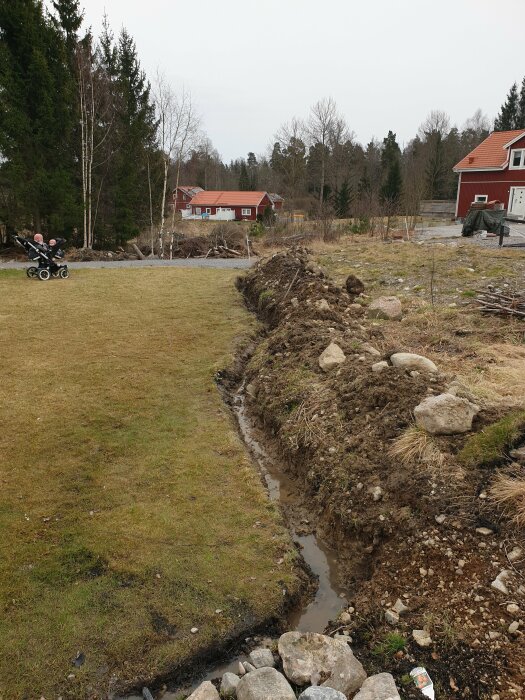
(398, 462)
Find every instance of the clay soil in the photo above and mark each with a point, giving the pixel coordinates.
(404, 528)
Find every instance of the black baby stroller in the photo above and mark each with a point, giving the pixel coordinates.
(45, 256)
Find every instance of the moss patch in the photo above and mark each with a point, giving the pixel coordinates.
(490, 446)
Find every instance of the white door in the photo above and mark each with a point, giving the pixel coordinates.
(517, 202)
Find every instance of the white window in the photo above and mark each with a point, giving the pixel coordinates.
(188, 206)
(517, 159)
(246, 212)
(481, 198)
(208, 210)
(198, 210)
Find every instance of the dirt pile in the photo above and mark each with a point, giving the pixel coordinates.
(407, 512)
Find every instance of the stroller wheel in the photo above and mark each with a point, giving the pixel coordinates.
(32, 271)
(43, 274)
(55, 273)
(64, 273)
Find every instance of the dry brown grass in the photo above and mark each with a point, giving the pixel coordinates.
(415, 447)
(508, 492)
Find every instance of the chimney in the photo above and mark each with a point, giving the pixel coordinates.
(471, 159)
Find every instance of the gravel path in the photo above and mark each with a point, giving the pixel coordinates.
(221, 263)
(451, 234)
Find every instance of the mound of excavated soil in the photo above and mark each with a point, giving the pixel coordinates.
(334, 431)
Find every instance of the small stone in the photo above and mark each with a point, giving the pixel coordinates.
(440, 519)
(194, 630)
(484, 531)
(392, 617)
(205, 691)
(376, 492)
(323, 305)
(240, 669)
(499, 582)
(261, 657)
(515, 554)
(513, 609)
(411, 361)
(370, 350)
(264, 684)
(379, 366)
(422, 638)
(345, 618)
(229, 684)
(248, 667)
(382, 686)
(386, 307)
(331, 357)
(399, 607)
(513, 627)
(518, 455)
(317, 692)
(422, 572)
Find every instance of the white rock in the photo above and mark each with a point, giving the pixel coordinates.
(513, 609)
(376, 492)
(513, 627)
(345, 618)
(229, 684)
(248, 667)
(331, 357)
(445, 414)
(240, 669)
(370, 350)
(484, 531)
(499, 582)
(399, 607)
(379, 687)
(323, 305)
(264, 684)
(422, 638)
(518, 455)
(392, 617)
(261, 657)
(440, 519)
(205, 691)
(379, 366)
(318, 692)
(515, 554)
(386, 307)
(411, 361)
(307, 653)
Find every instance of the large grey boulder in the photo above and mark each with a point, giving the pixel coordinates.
(307, 654)
(379, 687)
(319, 692)
(445, 414)
(411, 361)
(264, 684)
(205, 691)
(386, 307)
(331, 357)
(261, 657)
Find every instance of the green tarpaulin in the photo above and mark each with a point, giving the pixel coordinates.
(488, 220)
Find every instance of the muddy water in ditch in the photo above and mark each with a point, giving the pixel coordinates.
(329, 598)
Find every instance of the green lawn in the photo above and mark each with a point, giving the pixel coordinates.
(129, 512)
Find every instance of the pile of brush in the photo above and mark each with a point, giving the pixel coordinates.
(504, 303)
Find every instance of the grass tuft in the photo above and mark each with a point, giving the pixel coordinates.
(391, 643)
(490, 446)
(414, 447)
(508, 492)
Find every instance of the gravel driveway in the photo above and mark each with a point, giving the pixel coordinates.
(221, 263)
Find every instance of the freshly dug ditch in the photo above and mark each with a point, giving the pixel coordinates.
(412, 531)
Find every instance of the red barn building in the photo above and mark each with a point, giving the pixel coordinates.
(494, 171)
(246, 206)
(183, 195)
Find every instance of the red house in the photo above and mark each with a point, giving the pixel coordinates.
(495, 170)
(183, 195)
(242, 206)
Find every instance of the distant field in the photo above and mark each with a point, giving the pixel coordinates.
(128, 510)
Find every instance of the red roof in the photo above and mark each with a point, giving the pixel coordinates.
(190, 189)
(227, 199)
(492, 153)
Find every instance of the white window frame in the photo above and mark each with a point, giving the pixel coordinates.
(481, 198)
(521, 165)
(198, 210)
(208, 210)
(246, 212)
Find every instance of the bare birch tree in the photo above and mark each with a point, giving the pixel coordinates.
(292, 161)
(96, 108)
(323, 116)
(177, 129)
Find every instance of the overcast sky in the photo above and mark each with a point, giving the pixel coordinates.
(252, 65)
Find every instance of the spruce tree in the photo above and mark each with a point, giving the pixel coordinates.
(251, 165)
(342, 200)
(509, 116)
(521, 107)
(391, 167)
(244, 180)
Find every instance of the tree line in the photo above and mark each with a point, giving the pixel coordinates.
(90, 150)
